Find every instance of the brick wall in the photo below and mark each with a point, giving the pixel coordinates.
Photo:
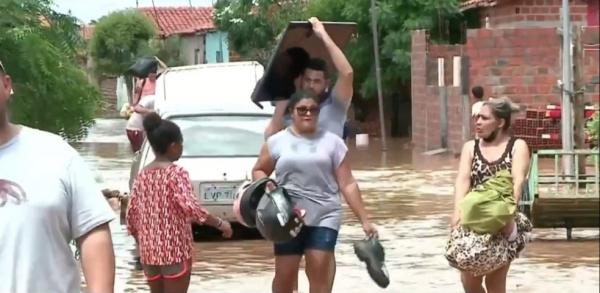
(442, 51)
(108, 105)
(426, 127)
(521, 63)
(591, 58)
(532, 13)
(420, 98)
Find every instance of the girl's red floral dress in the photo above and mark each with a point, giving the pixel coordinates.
(160, 213)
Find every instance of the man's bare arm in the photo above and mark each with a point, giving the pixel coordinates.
(98, 260)
(343, 88)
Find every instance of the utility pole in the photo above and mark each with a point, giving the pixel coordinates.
(137, 3)
(567, 89)
(378, 74)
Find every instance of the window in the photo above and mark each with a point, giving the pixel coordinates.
(222, 135)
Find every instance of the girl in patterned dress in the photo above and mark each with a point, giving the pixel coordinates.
(479, 255)
(162, 208)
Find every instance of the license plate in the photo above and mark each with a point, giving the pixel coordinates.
(221, 192)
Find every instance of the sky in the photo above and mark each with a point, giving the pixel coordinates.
(87, 10)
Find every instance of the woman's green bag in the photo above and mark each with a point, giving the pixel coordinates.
(489, 206)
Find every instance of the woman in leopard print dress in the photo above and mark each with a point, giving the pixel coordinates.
(485, 255)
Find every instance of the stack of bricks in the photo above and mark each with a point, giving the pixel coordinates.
(538, 130)
(541, 128)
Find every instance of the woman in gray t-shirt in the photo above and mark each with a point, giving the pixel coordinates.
(311, 165)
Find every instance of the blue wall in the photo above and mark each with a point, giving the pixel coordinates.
(215, 42)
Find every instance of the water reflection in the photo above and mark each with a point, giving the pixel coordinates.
(409, 196)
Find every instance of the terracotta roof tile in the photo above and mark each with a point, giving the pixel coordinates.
(180, 20)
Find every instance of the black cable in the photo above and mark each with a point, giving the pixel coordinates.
(157, 18)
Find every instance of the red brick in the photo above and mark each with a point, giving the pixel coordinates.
(485, 33)
(579, 9)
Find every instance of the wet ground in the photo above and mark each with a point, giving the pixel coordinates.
(409, 197)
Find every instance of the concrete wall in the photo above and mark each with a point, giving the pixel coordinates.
(192, 49)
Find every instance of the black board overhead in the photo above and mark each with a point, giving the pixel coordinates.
(275, 83)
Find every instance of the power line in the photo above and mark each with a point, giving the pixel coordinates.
(157, 17)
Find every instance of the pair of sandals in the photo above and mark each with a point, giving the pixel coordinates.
(370, 251)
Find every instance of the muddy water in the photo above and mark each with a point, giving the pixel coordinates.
(409, 197)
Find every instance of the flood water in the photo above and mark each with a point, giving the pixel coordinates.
(409, 197)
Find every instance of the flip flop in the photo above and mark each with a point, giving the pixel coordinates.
(372, 253)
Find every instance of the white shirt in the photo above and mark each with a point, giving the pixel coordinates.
(476, 108)
(136, 121)
(48, 197)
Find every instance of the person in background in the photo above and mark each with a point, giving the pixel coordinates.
(143, 103)
(145, 87)
(48, 198)
(161, 209)
(477, 92)
(134, 127)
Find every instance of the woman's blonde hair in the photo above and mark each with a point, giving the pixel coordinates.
(502, 108)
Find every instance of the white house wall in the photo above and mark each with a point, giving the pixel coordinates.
(192, 49)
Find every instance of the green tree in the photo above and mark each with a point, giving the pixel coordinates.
(254, 25)
(39, 47)
(120, 38)
(168, 50)
(593, 128)
(396, 20)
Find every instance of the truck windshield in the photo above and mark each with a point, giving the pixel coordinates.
(223, 135)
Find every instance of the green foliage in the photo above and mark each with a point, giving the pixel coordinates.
(119, 39)
(253, 25)
(396, 19)
(252, 34)
(593, 128)
(168, 50)
(39, 49)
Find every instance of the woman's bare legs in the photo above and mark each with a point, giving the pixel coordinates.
(286, 271)
(320, 270)
(471, 284)
(495, 282)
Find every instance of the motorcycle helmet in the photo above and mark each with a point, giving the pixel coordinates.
(143, 67)
(276, 218)
(246, 200)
